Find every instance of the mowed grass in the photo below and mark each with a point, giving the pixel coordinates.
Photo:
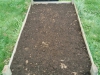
(89, 12)
(12, 13)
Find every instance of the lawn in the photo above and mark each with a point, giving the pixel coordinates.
(90, 18)
(12, 13)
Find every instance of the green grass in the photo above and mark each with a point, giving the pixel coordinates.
(90, 18)
(12, 13)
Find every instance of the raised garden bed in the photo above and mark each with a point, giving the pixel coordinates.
(52, 43)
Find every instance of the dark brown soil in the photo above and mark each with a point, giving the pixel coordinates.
(51, 43)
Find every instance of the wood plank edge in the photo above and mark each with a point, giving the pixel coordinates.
(23, 24)
(94, 69)
(51, 2)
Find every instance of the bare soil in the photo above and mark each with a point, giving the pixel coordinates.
(51, 43)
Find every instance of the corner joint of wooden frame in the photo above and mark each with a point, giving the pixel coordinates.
(72, 1)
(94, 70)
(31, 2)
(6, 70)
